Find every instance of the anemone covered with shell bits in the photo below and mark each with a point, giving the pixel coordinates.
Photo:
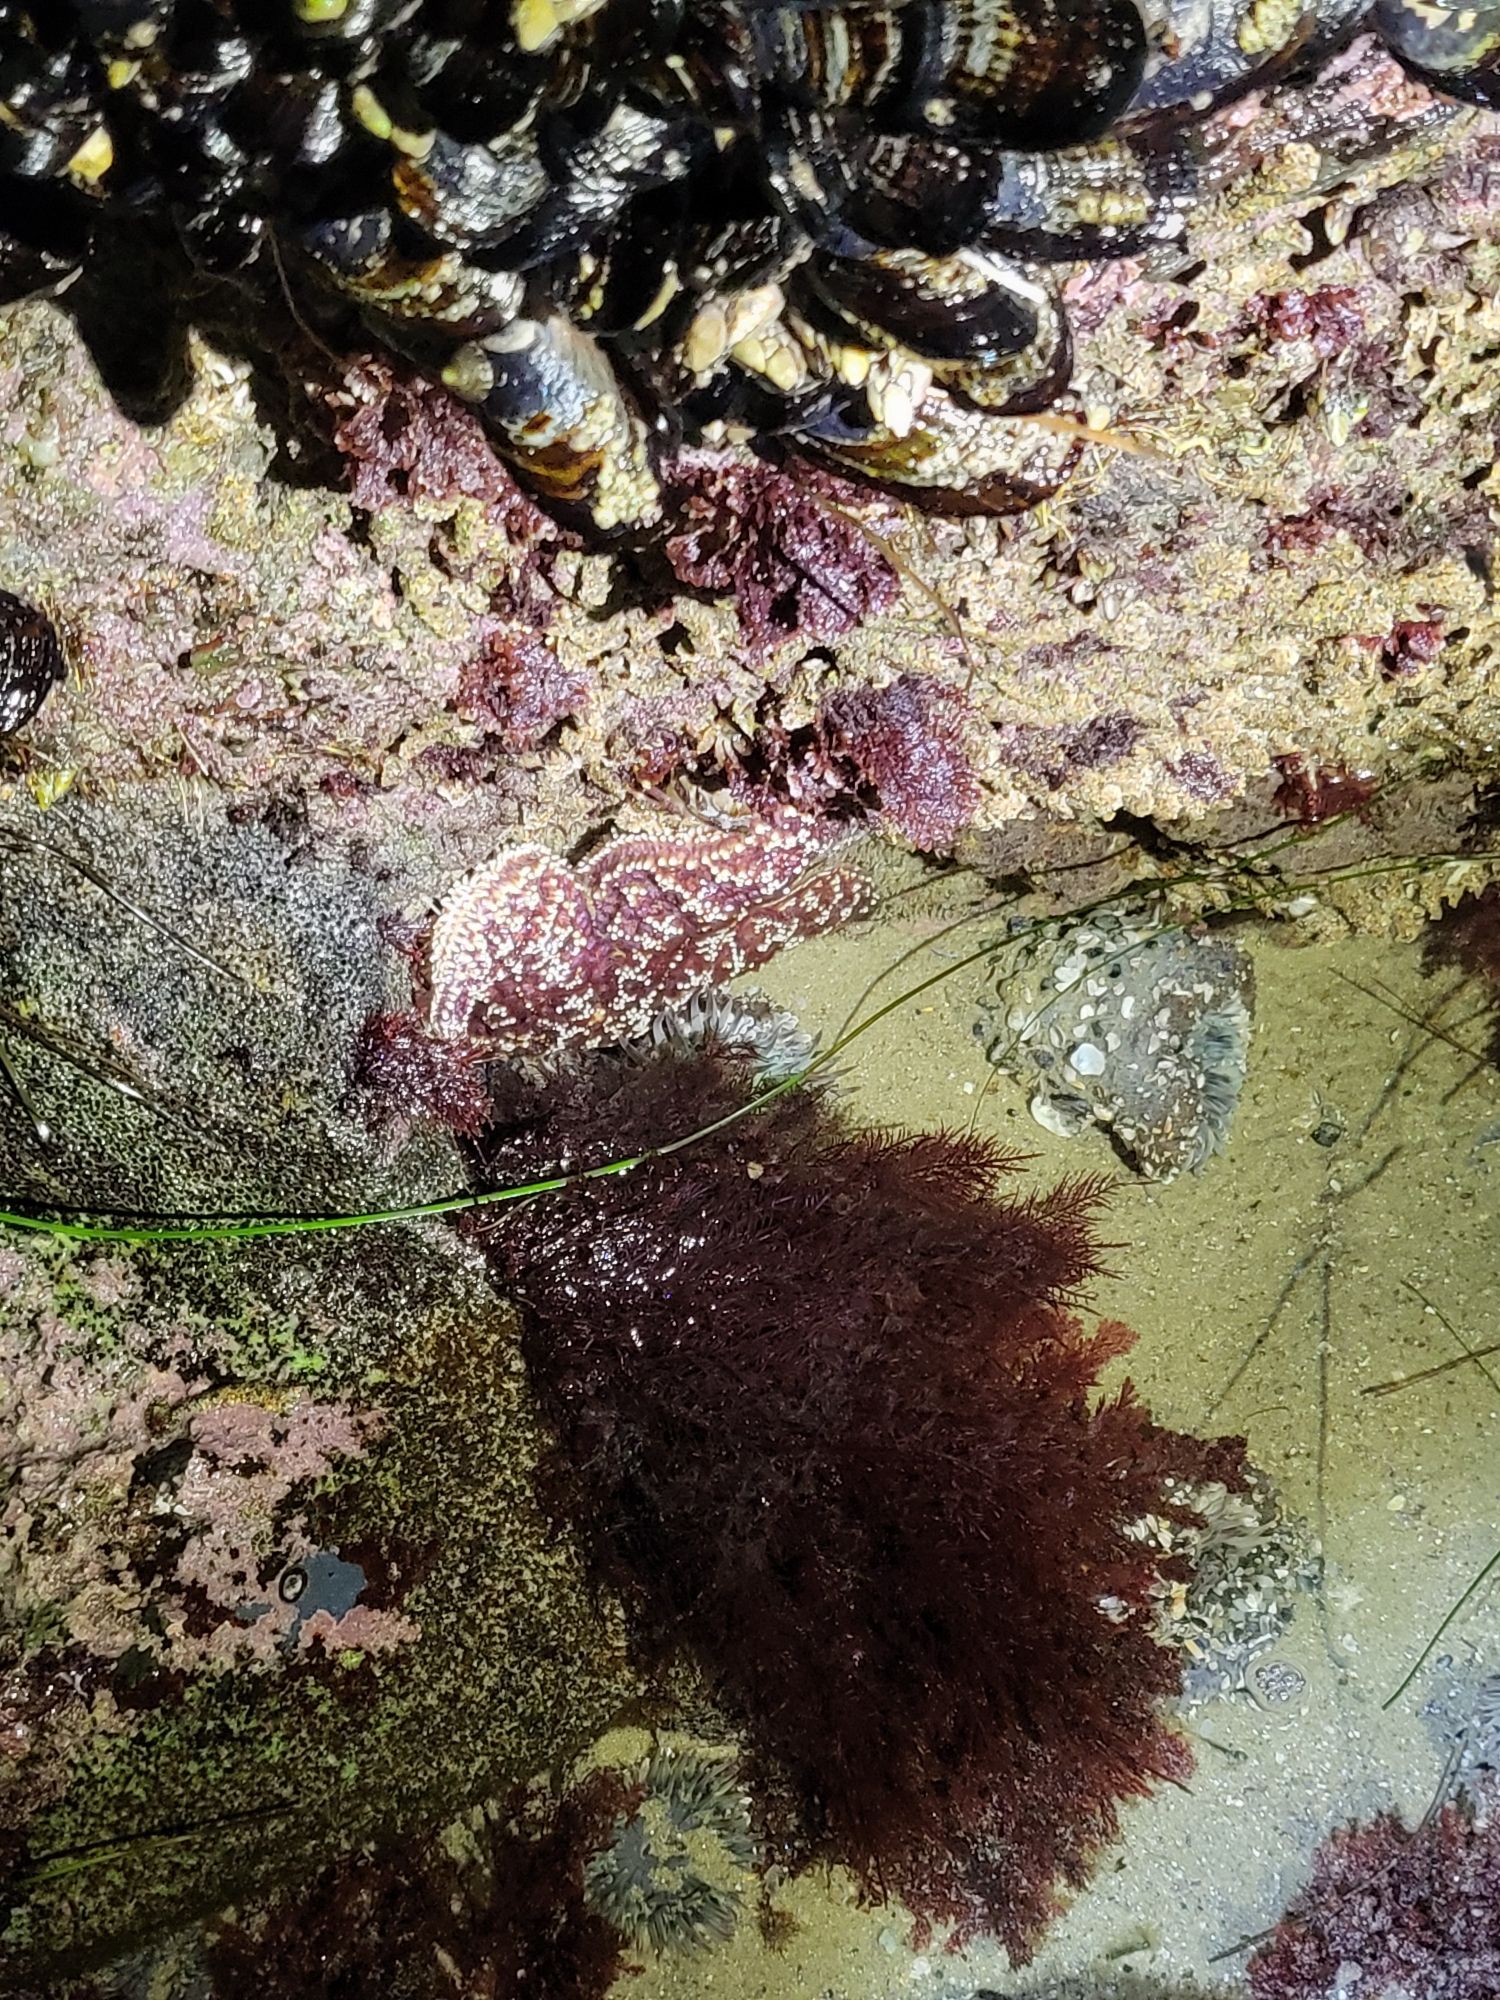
(614, 226)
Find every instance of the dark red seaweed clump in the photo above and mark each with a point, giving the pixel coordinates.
(1314, 792)
(826, 1418)
(516, 686)
(1468, 937)
(1417, 1911)
(509, 1924)
(782, 545)
(411, 1076)
(901, 750)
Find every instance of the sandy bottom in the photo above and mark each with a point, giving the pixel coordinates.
(1393, 1225)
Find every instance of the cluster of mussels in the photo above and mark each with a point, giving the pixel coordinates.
(615, 225)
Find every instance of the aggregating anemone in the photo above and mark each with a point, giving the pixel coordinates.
(746, 1023)
(1250, 1561)
(674, 1871)
(1116, 1021)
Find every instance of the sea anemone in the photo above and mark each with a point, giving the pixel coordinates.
(1135, 1026)
(1250, 1562)
(674, 1872)
(745, 1024)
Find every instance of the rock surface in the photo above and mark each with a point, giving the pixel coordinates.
(272, 1572)
(1280, 544)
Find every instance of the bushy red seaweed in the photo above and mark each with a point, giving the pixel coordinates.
(1417, 1911)
(1329, 318)
(781, 545)
(1312, 792)
(1468, 937)
(898, 754)
(1410, 645)
(403, 437)
(826, 1418)
(512, 1925)
(411, 1076)
(901, 750)
(516, 686)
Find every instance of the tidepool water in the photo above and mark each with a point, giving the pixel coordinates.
(1380, 1233)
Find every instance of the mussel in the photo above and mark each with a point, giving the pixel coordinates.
(817, 226)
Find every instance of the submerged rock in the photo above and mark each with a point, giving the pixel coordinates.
(1118, 1022)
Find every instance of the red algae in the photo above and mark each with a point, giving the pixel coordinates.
(511, 1924)
(516, 686)
(1311, 792)
(781, 546)
(1329, 319)
(1391, 1909)
(404, 438)
(902, 749)
(1468, 938)
(411, 1077)
(826, 1418)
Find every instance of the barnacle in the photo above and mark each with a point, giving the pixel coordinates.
(615, 225)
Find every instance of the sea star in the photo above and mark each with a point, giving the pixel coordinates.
(530, 954)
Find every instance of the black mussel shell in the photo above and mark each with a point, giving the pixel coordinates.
(553, 398)
(1213, 51)
(611, 223)
(958, 309)
(52, 105)
(1037, 74)
(43, 240)
(1454, 49)
(954, 460)
(31, 660)
(919, 192)
(1111, 199)
(810, 167)
(472, 197)
(739, 400)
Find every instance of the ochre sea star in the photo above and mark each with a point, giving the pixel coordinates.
(530, 954)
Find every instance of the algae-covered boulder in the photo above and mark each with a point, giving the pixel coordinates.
(272, 1578)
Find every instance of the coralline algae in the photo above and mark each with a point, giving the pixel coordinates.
(1119, 1022)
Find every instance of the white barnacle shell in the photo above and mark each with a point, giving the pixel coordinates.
(1065, 1117)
